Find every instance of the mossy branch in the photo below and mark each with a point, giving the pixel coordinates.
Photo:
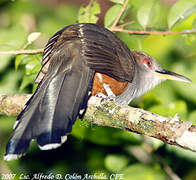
(170, 130)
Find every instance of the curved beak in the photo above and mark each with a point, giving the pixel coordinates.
(172, 76)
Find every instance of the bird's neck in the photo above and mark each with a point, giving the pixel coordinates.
(142, 82)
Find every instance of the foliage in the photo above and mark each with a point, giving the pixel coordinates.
(180, 11)
(148, 13)
(92, 149)
(88, 13)
(113, 13)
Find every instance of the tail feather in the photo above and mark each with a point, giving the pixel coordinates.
(53, 109)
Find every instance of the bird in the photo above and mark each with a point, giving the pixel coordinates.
(80, 61)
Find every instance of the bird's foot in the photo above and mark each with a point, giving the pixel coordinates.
(108, 98)
(105, 98)
(101, 95)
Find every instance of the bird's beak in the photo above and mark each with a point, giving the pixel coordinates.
(172, 76)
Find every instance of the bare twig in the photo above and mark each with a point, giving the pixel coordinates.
(22, 51)
(125, 24)
(170, 130)
(117, 29)
(114, 29)
(120, 14)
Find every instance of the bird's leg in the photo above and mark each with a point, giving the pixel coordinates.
(110, 95)
(108, 90)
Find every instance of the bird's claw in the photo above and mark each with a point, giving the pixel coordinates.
(105, 98)
(101, 95)
(108, 98)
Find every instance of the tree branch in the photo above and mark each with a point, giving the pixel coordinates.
(117, 29)
(114, 29)
(120, 14)
(22, 51)
(170, 130)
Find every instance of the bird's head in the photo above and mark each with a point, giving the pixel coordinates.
(149, 68)
(148, 73)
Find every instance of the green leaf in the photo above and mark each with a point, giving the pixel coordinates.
(148, 13)
(112, 14)
(141, 172)
(181, 10)
(117, 1)
(31, 62)
(11, 39)
(18, 60)
(33, 66)
(115, 162)
(88, 14)
(27, 80)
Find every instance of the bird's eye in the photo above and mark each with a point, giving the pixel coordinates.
(147, 62)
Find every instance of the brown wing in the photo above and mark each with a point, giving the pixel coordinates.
(53, 42)
(103, 51)
(106, 53)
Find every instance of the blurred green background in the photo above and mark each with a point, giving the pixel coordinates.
(91, 149)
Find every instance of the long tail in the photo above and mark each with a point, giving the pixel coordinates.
(53, 109)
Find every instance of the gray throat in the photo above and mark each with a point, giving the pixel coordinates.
(138, 86)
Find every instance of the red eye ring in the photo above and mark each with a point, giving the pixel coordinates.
(147, 62)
